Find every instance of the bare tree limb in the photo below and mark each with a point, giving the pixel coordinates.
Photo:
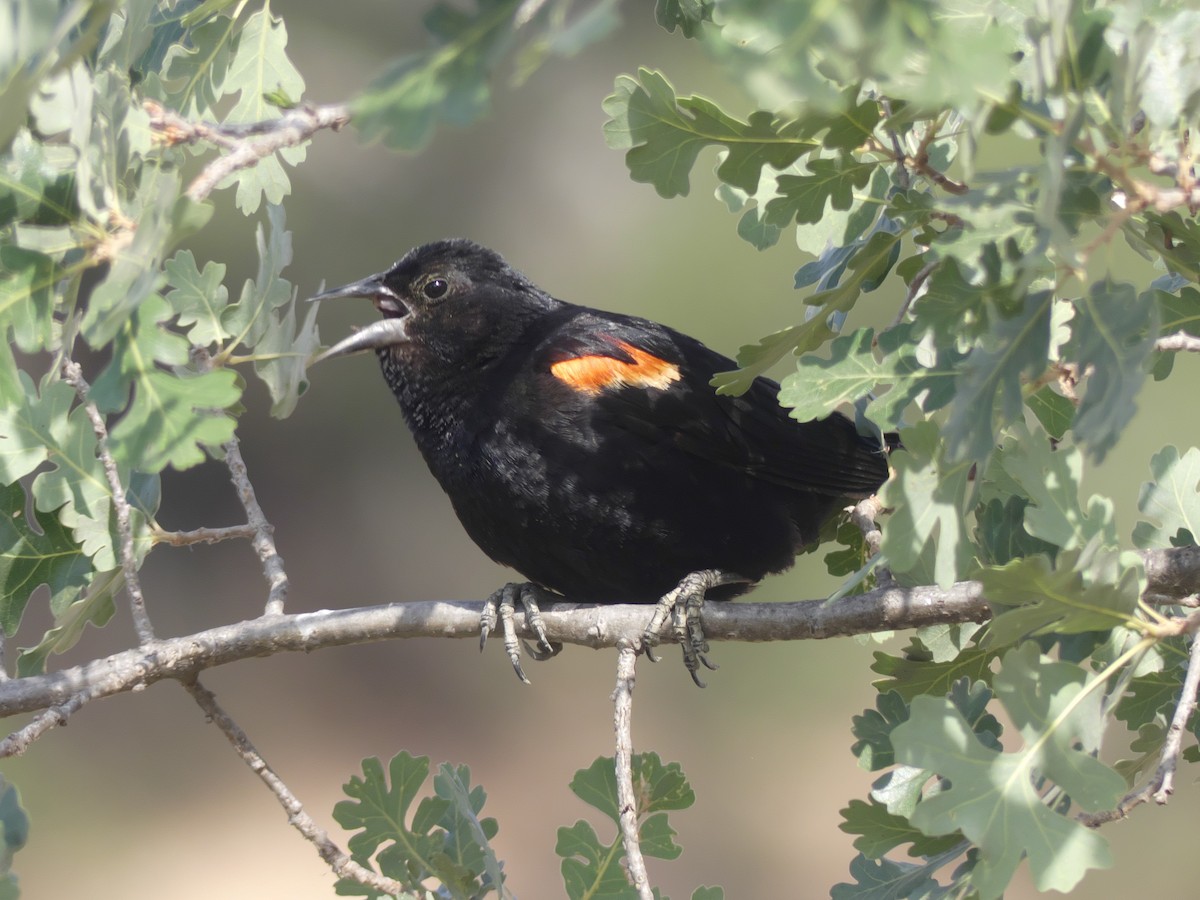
(1172, 572)
(19, 741)
(264, 539)
(246, 144)
(1162, 785)
(204, 535)
(1164, 778)
(627, 811)
(1178, 341)
(337, 859)
(73, 375)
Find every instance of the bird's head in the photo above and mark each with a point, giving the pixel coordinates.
(450, 301)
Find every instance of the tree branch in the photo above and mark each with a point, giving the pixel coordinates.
(627, 811)
(263, 540)
(1174, 572)
(73, 375)
(246, 144)
(1178, 341)
(337, 859)
(1162, 785)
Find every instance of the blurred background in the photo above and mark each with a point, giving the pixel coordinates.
(146, 800)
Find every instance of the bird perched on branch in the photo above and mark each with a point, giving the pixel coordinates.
(588, 451)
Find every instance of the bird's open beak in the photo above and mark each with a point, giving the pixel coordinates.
(387, 331)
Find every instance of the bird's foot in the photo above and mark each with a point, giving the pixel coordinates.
(502, 605)
(683, 604)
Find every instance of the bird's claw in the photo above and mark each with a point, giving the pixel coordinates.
(501, 606)
(683, 604)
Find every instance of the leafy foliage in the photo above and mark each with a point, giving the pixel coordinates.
(591, 867)
(973, 165)
(445, 839)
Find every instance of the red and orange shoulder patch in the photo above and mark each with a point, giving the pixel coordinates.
(593, 374)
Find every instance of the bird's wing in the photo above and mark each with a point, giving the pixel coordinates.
(654, 382)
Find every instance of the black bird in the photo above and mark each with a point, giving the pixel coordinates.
(588, 451)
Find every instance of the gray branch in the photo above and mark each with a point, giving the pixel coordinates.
(1171, 573)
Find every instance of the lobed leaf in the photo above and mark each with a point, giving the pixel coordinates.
(1172, 499)
(992, 798)
(664, 133)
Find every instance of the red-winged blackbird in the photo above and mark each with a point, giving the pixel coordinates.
(587, 450)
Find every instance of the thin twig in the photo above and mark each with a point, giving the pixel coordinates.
(245, 144)
(73, 375)
(863, 515)
(1162, 785)
(903, 179)
(627, 810)
(264, 539)
(336, 858)
(1165, 777)
(18, 742)
(1179, 341)
(204, 535)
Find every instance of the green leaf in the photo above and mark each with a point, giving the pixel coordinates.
(852, 371)
(282, 355)
(589, 866)
(956, 311)
(873, 728)
(992, 796)
(379, 803)
(880, 831)
(820, 386)
(1179, 312)
(467, 842)
(1053, 410)
(989, 385)
(258, 68)
(657, 838)
(14, 823)
(866, 268)
(45, 429)
(686, 15)
(95, 607)
(1050, 478)
(1034, 597)
(944, 643)
(803, 198)
(194, 73)
(1148, 745)
(173, 414)
(1112, 336)
(1148, 697)
(1172, 499)
(30, 558)
(198, 298)
(1171, 78)
(1000, 532)
(251, 319)
(910, 678)
(597, 786)
(928, 494)
(446, 840)
(136, 274)
(449, 82)
(885, 879)
(664, 133)
(26, 298)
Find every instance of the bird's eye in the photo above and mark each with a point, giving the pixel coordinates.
(435, 288)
